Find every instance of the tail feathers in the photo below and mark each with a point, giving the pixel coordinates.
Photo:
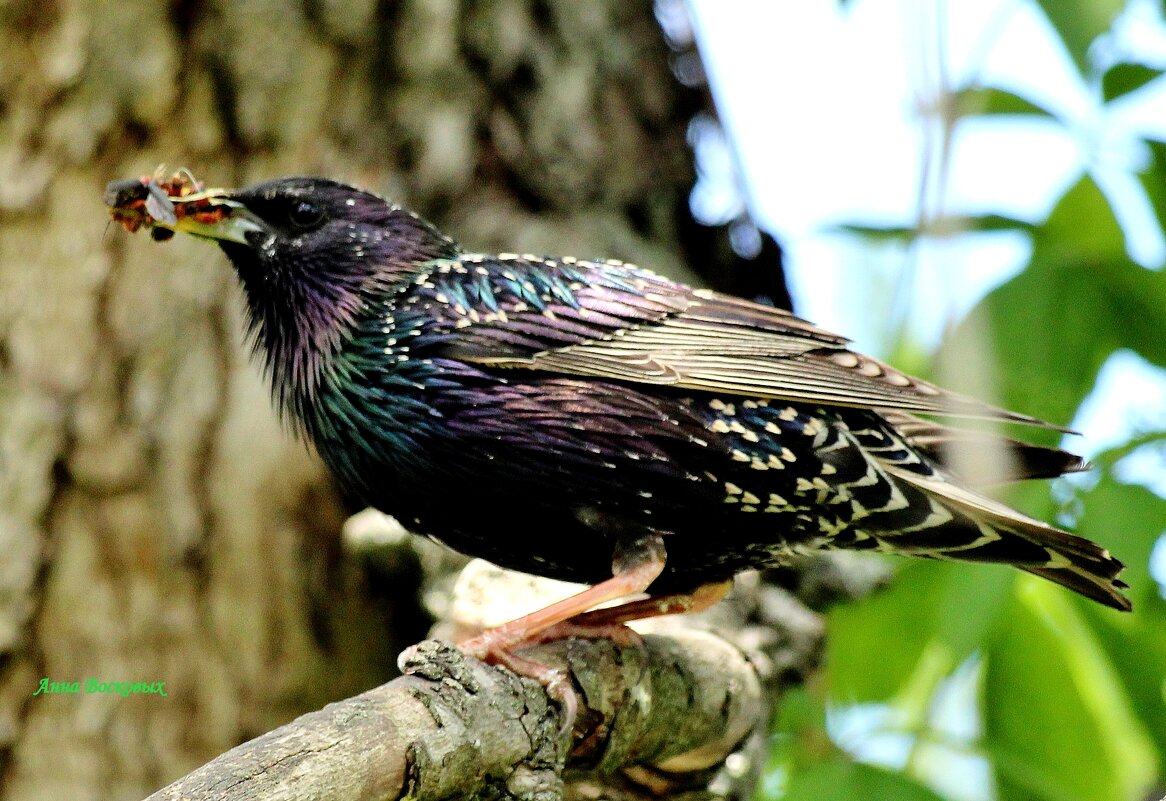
(1104, 590)
(1012, 538)
(940, 443)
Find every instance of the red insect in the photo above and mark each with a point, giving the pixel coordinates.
(148, 201)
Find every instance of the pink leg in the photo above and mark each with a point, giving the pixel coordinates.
(698, 600)
(635, 567)
(608, 623)
(634, 571)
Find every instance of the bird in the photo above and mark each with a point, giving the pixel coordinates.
(593, 421)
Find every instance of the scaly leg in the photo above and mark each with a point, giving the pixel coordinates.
(635, 568)
(610, 621)
(698, 600)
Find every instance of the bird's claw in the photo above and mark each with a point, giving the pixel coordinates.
(493, 648)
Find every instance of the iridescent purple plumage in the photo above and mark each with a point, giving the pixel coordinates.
(302, 303)
(544, 412)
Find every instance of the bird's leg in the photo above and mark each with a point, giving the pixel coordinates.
(609, 622)
(635, 566)
(698, 600)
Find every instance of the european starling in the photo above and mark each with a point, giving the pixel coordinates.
(589, 419)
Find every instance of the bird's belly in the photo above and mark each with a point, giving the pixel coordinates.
(548, 476)
(703, 544)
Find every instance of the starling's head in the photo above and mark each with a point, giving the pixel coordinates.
(310, 253)
(289, 230)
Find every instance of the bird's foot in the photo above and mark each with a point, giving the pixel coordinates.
(635, 565)
(557, 682)
(497, 647)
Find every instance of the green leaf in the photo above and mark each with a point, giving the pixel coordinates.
(1127, 519)
(1047, 332)
(951, 225)
(1154, 180)
(1136, 646)
(800, 739)
(877, 233)
(935, 614)
(1058, 723)
(1121, 79)
(839, 780)
(1079, 22)
(978, 100)
(1039, 359)
(1082, 224)
(996, 222)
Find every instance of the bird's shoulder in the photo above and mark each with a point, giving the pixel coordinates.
(507, 307)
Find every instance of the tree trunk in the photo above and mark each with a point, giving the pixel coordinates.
(157, 523)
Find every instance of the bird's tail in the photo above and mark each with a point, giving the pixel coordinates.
(945, 444)
(1007, 536)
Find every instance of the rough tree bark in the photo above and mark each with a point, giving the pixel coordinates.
(156, 522)
(655, 719)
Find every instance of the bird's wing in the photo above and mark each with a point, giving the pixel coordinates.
(618, 322)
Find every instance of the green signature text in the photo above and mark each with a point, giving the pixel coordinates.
(92, 686)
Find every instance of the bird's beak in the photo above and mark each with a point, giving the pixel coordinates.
(172, 206)
(215, 216)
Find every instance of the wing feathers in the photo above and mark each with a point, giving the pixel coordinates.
(620, 322)
(624, 324)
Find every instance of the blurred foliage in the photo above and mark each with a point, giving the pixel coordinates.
(992, 100)
(1121, 79)
(1068, 699)
(1079, 23)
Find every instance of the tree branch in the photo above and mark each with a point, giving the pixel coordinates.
(659, 716)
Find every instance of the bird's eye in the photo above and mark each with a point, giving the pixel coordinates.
(305, 214)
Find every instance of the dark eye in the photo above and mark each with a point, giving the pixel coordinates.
(305, 214)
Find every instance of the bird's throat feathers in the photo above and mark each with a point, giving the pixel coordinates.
(305, 294)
